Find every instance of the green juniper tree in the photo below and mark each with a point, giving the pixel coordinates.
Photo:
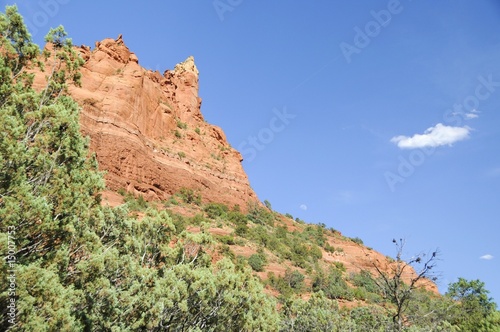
(474, 311)
(48, 184)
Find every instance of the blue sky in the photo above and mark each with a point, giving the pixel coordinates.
(379, 118)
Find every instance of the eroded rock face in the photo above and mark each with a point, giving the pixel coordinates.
(148, 132)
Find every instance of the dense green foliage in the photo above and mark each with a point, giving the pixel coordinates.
(332, 284)
(74, 265)
(472, 299)
(257, 262)
(80, 266)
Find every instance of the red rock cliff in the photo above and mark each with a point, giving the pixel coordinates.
(148, 132)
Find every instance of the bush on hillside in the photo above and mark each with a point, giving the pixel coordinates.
(257, 262)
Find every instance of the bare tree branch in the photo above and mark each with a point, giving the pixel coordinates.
(399, 283)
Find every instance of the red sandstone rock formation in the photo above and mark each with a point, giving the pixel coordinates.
(148, 132)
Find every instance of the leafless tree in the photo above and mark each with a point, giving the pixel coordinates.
(400, 278)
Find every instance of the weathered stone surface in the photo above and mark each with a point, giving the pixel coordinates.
(148, 132)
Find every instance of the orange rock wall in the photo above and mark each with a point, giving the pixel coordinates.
(148, 132)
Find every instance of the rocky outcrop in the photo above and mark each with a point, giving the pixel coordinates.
(148, 132)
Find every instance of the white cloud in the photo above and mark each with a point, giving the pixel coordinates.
(303, 207)
(467, 115)
(472, 114)
(434, 136)
(487, 257)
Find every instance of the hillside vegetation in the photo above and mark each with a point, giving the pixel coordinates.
(73, 263)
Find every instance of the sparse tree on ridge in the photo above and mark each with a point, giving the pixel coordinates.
(399, 283)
